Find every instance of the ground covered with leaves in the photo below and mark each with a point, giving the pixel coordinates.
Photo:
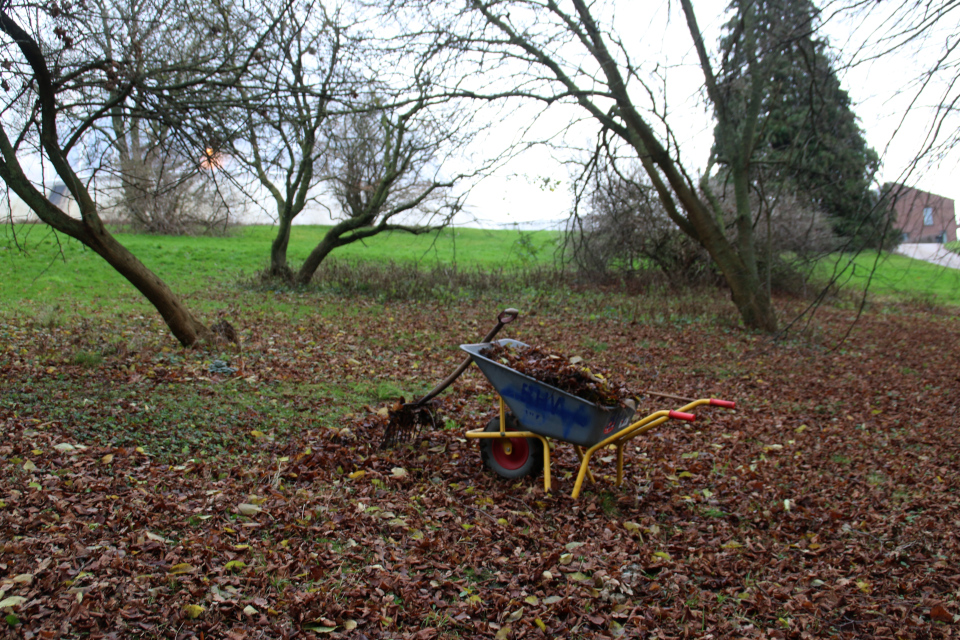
(149, 491)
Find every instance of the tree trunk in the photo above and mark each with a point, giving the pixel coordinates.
(747, 292)
(312, 263)
(184, 326)
(278, 250)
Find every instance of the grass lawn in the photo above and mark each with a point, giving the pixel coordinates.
(893, 276)
(53, 269)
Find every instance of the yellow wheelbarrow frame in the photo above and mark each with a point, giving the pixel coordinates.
(618, 439)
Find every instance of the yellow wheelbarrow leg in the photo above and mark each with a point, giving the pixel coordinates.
(546, 464)
(584, 470)
(619, 463)
(619, 439)
(580, 451)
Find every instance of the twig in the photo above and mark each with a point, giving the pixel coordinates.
(668, 395)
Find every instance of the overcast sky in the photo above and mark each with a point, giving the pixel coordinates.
(882, 91)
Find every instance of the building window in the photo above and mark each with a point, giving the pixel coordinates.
(928, 216)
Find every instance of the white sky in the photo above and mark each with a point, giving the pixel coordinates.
(512, 195)
(879, 91)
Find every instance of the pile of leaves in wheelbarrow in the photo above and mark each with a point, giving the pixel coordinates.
(567, 374)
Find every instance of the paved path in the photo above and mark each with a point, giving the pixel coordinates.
(931, 252)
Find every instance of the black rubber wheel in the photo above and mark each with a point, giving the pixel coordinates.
(525, 455)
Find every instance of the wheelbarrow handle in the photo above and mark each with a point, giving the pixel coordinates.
(504, 317)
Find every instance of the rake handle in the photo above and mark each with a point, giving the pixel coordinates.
(505, 317)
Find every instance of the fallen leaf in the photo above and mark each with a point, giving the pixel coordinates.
(399, 472)
(248, 509)
(516, 615)
(940, 614)
(181, 568)
(12, 601)
(357, 474)
(235, 565)
(107, 459)
(193, 611)
(64, 447)
(250, 611)
(503, 633)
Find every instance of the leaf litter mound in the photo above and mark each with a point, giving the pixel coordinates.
(825, 506)
(564, 373)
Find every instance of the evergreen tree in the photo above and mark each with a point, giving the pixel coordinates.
(808, 140)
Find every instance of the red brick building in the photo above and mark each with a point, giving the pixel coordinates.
(924, 217)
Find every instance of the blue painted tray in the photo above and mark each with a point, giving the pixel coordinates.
(546, 410)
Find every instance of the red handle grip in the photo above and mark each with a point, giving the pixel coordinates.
(723, 403)
(680, 415)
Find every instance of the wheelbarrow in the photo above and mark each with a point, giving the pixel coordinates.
(516, 444)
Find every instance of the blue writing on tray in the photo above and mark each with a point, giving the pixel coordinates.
(541, 408)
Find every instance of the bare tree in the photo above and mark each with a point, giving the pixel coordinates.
(564, 53)
(386, 175)
(275, 132)
(316, 124)
(619, 226)
(65, 85)
(925, 34)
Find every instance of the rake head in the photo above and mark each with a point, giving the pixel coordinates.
(405, 423)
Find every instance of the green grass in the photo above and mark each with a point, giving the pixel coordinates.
(895, 277)
(49, 275)
(37, 264)
(953, 246)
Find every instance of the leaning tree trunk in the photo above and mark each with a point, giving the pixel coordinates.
(89, 228)
(750, 297)
(90, 231)
(318, 255)
(184, 326)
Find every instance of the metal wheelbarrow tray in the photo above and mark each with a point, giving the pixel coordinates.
(541, 411)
